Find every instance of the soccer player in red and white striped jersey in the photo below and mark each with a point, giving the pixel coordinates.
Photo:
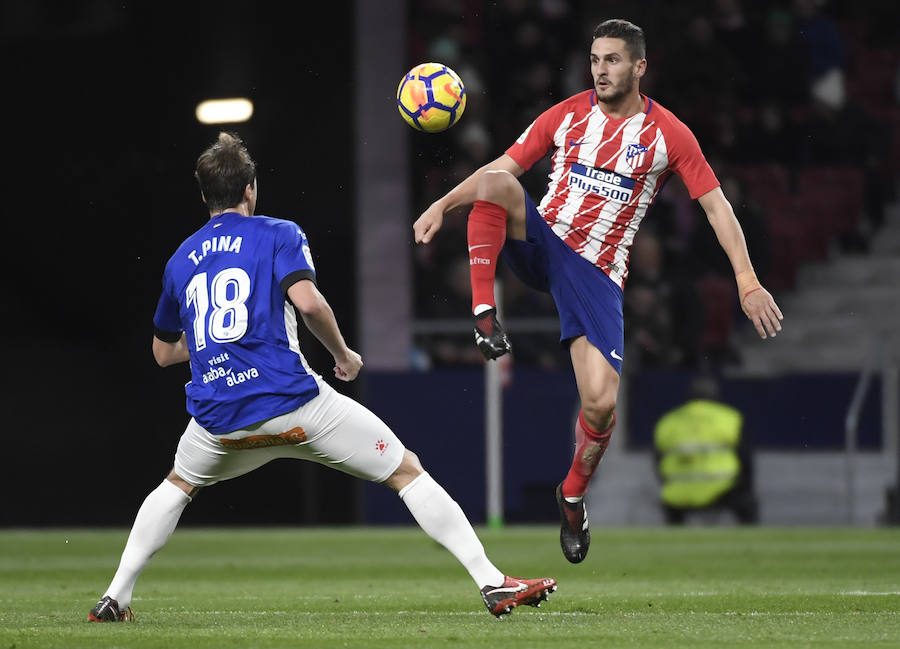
(612, 148)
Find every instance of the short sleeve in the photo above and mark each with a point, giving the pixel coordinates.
(690, 164)
(293, 258)
(535, 141)
(166, 320)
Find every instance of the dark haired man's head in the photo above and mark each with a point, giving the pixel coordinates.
(617, 64)
(223, 171)
(633, 36)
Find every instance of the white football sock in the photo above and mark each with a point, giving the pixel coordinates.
(153, 525)
(443, 519)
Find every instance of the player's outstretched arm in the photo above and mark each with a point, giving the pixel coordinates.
(427, 225)
(757, 303)
(320, 320)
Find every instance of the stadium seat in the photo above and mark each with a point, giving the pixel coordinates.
(763, 180)
(873, 73)
(889, 115)
(719, 310)
(786, 229)
(819, 217)
(837, 190)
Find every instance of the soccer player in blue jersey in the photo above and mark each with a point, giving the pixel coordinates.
(229, 304)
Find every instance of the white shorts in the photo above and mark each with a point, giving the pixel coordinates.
(332, 429)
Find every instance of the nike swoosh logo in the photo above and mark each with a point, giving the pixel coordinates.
(574, 143)
(612, 352)
(216, 225)
(517, 589)
(480, 245)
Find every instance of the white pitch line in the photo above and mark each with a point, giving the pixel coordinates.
(869, 592)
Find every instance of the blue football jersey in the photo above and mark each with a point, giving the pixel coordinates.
(225, 288)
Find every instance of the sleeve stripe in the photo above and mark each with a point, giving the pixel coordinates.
(167, 336)
(295, 277)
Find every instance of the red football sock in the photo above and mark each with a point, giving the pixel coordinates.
(590, 446)
(486, 232)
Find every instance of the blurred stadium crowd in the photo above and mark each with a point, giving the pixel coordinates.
(796, 104)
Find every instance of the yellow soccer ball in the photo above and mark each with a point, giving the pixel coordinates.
(431, 97)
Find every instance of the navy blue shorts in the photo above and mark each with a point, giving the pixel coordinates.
(589, 303)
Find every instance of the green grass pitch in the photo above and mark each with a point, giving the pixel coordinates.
(692, 587)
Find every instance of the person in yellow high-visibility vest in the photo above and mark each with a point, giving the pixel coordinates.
(703, 459)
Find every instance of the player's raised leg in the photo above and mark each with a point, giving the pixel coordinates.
(155, 521)
(443, 520)
(598, 385)
(499, 202)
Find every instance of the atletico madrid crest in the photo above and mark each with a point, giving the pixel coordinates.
(634, 155)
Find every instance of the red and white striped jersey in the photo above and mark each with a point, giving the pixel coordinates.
(606, 172)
